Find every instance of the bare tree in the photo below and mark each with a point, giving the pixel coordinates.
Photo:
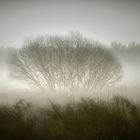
(64, 63)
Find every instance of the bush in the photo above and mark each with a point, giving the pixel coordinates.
(88, 119)
(65, 63)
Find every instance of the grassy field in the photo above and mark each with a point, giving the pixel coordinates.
(88, 119)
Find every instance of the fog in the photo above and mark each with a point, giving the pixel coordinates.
(129, 57)
(104, 21)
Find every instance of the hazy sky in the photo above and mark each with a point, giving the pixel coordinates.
(103, 20)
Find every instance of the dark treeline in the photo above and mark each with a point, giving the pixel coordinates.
(88, 119)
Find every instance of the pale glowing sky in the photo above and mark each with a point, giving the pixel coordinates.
(103, 20)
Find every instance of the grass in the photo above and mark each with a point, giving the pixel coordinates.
(88, 119)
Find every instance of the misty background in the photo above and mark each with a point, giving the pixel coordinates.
(105, 21)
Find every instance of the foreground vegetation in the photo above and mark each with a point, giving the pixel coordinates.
(88, 119)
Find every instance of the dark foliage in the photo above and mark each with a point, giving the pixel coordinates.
(88, 119)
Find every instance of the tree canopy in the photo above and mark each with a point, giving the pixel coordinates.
(64, 63)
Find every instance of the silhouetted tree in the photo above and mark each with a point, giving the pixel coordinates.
(64, 63)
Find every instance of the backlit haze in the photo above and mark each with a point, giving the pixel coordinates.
(103, 20)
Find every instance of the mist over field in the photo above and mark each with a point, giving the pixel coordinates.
(127, 55)
(70, 87)
(69, 70)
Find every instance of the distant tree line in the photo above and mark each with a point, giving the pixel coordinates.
(127, 53)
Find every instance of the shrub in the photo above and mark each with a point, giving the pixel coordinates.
(87, 119)
(65, 63)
